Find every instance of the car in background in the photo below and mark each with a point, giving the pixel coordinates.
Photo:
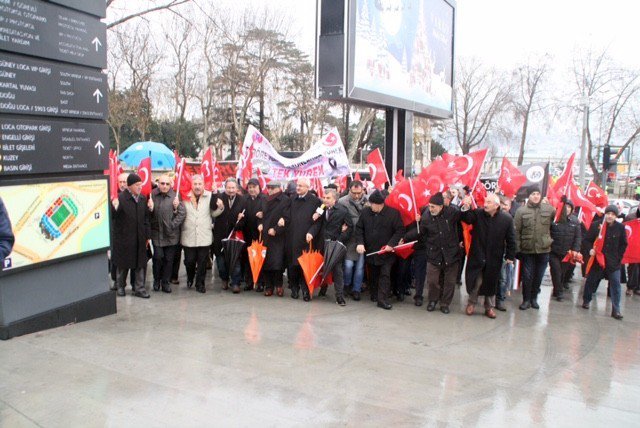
(625, 205)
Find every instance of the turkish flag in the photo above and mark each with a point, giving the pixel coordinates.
(144, 171)
(434, 178)
(632, 254)
(262, 180)
(561, 186)
(342, 183)
(206, 169)
(596, 195)
(316, 184)
(113, 175)
(402, 199)
(587, 208)
(467, 167)
(479, 194)
(357, 177)
(510, 179)
(399, 176)
(377, 170)
(553, 197)
(245, 166)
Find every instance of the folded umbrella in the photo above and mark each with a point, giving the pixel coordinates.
(311, 263)
(257, 253)
(334, 252)
(232, 249)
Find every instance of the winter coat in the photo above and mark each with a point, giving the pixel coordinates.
(533, 228)
(275, 207)
(440, 235)
(165, 221)
(492, 241)
(331, 228)
(6, 233)
(615, 244)
(130, 231)
(227, 221)
(301, 214)
(566, 235)
(253, 206)
(354, 208)
(375, 230)
(197, 228)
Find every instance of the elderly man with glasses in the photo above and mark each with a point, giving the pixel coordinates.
(167, 216)
(355, 202)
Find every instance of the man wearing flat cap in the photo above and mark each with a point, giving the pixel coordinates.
(379, 228)
(533, 244)
(439, 232)
(607, 258)
(130, 213)
(254, 205)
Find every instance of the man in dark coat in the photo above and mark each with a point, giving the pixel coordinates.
(567, 236)
(379, 228)
(303, 214)
(334, 225)
(130, 213)
(7, 238)
(166, 218)
(231, 219)
(614, 239)
(273, 226)
(492, 241)
(439, 231)
(122, 186)
(254, 205)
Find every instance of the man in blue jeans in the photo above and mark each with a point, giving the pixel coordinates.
(533, 243)
(607, 256)
(355, 201)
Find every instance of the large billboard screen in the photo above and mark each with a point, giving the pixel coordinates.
(55, 220)
(401, 54)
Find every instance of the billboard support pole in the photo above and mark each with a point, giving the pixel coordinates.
(398, 149)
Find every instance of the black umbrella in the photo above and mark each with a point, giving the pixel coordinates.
(232, 248)
(334, 252)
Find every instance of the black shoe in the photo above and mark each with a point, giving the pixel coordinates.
(323, 291)
(295, 294)
(383, 305)
(156, 285)
(259, 288)
(189, 284)
(355, 295)
(431, 306)
(305, 296)
(525, 305)
(636, 292)
(418, 301)
(373, 298)
(400, 297)
(201, 289)
(340, 301)
(142, 293)
(120, 291)
(616, 315)
(585, 306)
(559, 298)
(166, 288)
(534, 304)
(444, 309)
(113, 287)
(566, 286)
(500, 306)
(248, 287)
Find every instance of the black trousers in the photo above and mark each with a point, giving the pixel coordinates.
(633, 280)
(195, 261)
(559, 273)
(163, 263)
(296, 279)
(380, 280)
(176, 262)
(272, 278)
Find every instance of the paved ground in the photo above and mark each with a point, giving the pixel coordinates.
(218, 359)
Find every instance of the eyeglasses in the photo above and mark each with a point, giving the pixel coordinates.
(163, 183)
(356, 193)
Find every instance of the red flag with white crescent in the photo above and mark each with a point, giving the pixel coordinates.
(144, 171)
(596, 195)
(206, 169)
(510, 179)
(467, 167)
(401, 199)
(587, 208)
(632, 254)
(113, 175)
(377, 169)
(262, 180)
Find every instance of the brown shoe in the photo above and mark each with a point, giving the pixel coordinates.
(490, 313)
(470, 309)
(629, 292)
(236, 289)
(280, 291)
(225, 285)
(268, 292)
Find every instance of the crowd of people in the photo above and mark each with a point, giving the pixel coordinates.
(291, 218)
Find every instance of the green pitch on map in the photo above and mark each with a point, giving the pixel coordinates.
(55, 220)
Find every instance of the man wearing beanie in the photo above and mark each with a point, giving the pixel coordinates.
(609, 242)
(130, 213)
(533, 242)
(379, 228)
(439, 233)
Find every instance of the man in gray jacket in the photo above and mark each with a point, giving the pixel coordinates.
(166, 217)
(355, 202)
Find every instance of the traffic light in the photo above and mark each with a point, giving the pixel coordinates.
(607, 163)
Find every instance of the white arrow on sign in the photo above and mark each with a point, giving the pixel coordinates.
(99, 146)
(96, 43)
(97, 94)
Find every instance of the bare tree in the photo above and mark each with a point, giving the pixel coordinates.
(167, 5)
(529, 79)
(480, 96)
(182, 41)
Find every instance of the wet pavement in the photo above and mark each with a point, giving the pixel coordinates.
(187, 359)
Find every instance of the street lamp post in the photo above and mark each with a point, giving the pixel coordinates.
(583, 144)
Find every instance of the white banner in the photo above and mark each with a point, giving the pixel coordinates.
(326, 158)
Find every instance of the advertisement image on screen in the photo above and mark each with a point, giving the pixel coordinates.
(403, 50)
(55, 220)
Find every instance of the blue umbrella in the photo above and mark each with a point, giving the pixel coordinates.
(161, 156)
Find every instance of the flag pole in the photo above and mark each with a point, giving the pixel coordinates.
(415, 208)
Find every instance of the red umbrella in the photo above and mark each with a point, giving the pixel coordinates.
(257, 253)
(311, 262)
